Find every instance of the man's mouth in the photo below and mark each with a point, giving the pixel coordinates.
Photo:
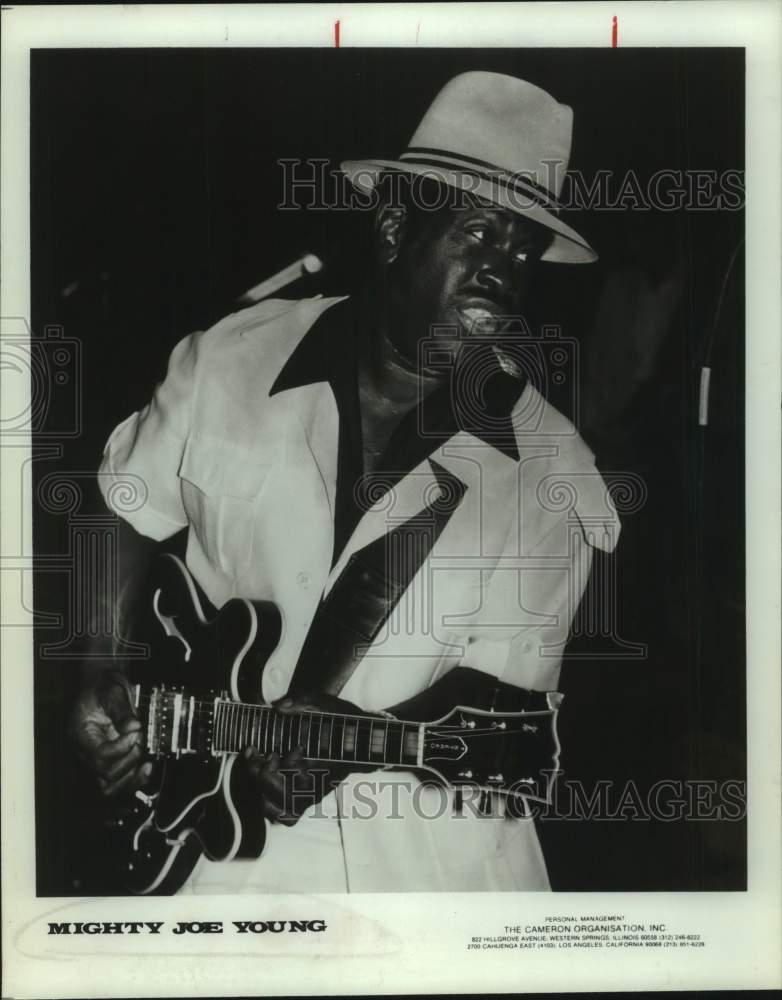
(482, 316)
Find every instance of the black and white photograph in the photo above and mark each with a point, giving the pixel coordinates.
(386, 457)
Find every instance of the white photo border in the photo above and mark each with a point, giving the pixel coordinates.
(407, 943)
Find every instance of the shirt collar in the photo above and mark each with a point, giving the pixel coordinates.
(478, 399)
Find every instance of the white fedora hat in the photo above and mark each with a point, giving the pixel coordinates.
(498, 137)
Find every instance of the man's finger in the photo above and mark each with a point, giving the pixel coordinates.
(130, 724)
(272, 784)
(278, 814)
(289, 706)
(262, 769)
(117, 768)
(272, 764)
(110, 750)
(292, 761)
(109, 789)
(91, 736)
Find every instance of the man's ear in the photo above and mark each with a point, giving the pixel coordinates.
(389, 230)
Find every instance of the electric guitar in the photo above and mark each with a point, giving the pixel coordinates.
(198, 698)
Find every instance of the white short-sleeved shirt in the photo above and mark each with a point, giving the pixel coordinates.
(250, 466)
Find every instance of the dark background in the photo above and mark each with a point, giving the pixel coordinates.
(154, 186)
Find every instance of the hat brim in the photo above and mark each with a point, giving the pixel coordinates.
(567, 247)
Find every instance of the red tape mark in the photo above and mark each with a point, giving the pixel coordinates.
(614, 32)
(336, 34)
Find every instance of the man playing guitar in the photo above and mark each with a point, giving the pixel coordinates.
(384, 468)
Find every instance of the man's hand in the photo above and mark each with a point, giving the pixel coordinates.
(288, 784)
(107, 735)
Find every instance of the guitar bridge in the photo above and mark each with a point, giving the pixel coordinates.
(170, 723)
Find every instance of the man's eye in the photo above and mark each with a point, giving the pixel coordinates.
(479, 232)
(520, 257)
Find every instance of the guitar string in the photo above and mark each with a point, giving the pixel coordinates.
(236, 716)
(233, 712)
(209, 706)
(232, 720)
(205, 708)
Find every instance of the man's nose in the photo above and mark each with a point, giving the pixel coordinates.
(495, 277)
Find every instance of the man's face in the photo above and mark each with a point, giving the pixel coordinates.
(467, 268)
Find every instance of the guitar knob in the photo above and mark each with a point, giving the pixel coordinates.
(465, 774)
(496, 777)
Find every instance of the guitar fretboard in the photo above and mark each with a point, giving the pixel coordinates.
(322, 736)
(177, 722)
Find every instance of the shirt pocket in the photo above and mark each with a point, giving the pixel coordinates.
(221, 485)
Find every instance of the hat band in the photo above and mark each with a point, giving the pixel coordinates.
(520, 183)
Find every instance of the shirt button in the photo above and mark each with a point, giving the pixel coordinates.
(303, 580)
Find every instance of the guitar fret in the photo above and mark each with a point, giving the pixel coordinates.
(354, 732)
(410, 745)
(393, 743)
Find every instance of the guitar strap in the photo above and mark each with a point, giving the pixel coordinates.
(366, 592)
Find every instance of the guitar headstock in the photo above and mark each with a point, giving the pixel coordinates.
(516, 753)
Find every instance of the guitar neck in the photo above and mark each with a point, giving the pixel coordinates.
(177, 723)
(323, 736)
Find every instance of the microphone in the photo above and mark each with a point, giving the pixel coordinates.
(308, 264)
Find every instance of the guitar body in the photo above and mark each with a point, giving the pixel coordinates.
(198, 697)
(194, 803)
